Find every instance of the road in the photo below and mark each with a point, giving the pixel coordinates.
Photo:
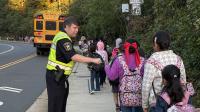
(22, 76)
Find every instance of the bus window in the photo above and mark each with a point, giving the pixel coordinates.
(60, 26)
(39, 25)
(50, 25)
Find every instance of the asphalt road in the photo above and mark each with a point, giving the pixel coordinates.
(22, 76)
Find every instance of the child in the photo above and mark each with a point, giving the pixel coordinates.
(101, 51)
(173, 96)
(128, 68)
(118, 43)
(94, 69)
(115, 84)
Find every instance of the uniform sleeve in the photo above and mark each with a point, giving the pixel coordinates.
(149, 71)
(65, 48)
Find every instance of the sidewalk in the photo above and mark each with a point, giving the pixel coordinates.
(79, 99)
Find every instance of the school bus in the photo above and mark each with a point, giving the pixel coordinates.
(46, 25)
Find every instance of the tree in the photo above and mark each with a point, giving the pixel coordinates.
(182, 20)
(99, 17)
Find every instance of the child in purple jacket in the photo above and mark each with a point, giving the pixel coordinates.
(115, 90)
(133, 60)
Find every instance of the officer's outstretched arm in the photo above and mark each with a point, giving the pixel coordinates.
(84, 59)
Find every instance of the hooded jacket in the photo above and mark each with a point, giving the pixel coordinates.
(115, 51)
(102, 52)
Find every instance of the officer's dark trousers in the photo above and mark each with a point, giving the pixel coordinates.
(57, 93)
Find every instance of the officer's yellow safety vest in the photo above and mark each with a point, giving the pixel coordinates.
(52, 62)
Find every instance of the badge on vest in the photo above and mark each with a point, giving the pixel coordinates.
(67, 46)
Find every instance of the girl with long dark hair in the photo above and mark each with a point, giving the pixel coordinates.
(173, 96)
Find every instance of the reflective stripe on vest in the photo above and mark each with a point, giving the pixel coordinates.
(52, 62)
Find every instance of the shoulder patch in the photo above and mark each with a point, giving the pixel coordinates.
(67, 46)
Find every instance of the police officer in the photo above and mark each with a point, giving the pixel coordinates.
(60, 63)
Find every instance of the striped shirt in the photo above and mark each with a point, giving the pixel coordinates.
(153, 74)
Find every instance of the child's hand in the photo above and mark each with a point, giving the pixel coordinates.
(145, 110)
(97, 61)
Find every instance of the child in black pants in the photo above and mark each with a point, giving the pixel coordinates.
(94, 69)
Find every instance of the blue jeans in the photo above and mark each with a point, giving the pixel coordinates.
(94, 79)
(131, 109)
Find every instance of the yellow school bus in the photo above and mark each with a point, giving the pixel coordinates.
(46, 25)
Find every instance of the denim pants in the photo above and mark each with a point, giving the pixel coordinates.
(131, 109)
(95, 80)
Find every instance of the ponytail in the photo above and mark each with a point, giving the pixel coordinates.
(173, 88)
(175, 91)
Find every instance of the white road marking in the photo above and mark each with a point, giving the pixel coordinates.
(11, 48)
(4, 88)
(1, 103)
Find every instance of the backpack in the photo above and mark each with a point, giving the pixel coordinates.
(96, 67)
(130, 86)
(100, 67)
(185, 108)
(178, 107)
(116, 81)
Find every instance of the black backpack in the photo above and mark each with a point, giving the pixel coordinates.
(96, 67)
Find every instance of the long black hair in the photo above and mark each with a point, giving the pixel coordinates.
(171, 74)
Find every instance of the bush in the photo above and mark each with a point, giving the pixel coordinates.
(182, 20)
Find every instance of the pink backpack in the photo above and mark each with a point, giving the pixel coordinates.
(130, 85)
(181, 106)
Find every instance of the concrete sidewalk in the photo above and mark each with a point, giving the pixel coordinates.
(79, 99)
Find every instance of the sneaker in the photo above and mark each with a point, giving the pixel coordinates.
(91, 92)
